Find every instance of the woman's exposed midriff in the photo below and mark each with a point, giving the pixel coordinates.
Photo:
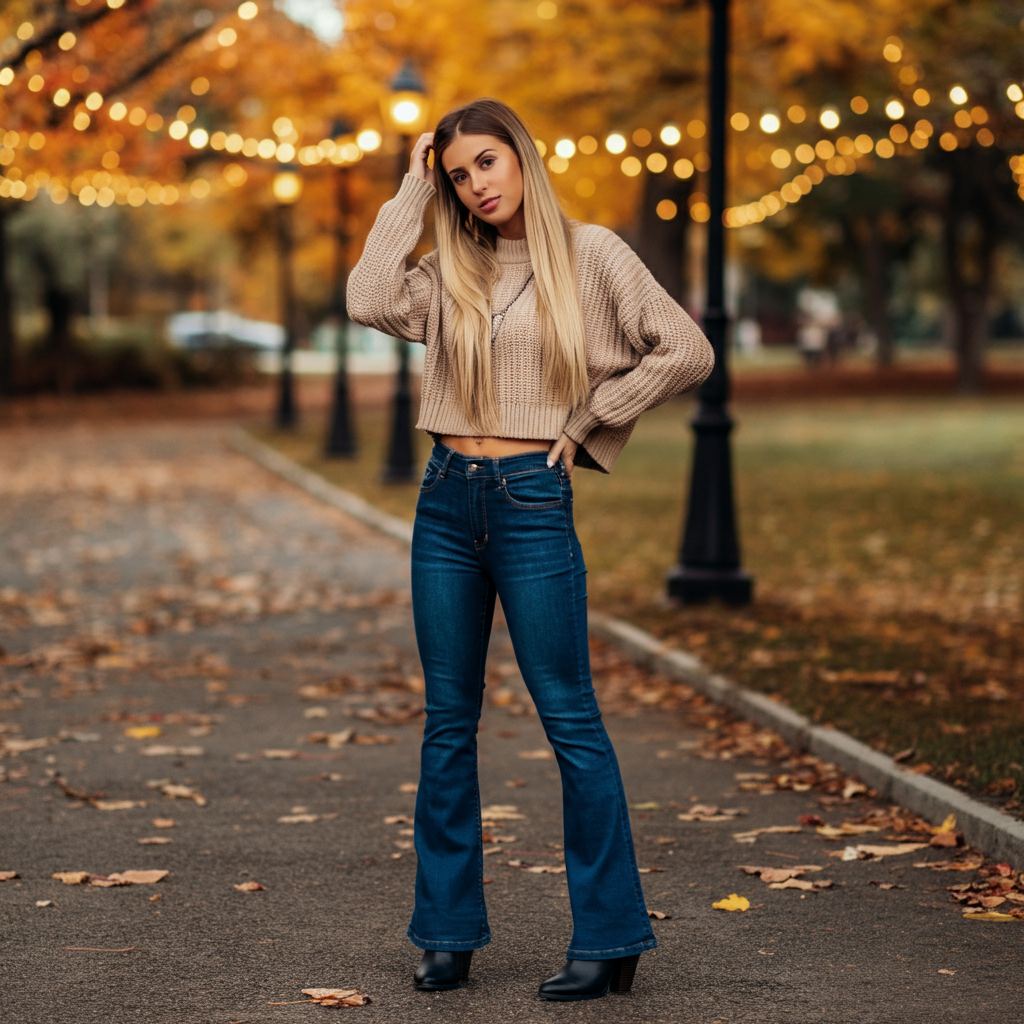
(494, 447)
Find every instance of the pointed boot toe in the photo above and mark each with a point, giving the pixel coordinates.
(440, 970)
(590, 979)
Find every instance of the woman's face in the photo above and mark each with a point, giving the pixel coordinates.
(487, 177)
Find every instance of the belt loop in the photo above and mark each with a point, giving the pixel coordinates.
(444, 465)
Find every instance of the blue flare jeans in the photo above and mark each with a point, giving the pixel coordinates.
(504, 527)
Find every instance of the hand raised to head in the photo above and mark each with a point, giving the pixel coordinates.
(418, 160)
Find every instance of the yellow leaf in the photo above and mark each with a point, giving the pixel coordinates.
(949, 825)
(142, 732)
(990, 915)
(734, 902)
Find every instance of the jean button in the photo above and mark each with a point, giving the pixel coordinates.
(473, 465)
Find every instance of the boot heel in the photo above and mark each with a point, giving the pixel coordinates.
(465, 959)
(625, 971)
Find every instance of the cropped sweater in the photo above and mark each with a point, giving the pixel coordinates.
(642, 348)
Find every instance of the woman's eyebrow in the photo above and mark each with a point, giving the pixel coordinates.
(475, 159)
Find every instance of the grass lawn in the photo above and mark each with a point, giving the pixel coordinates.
(886, 538)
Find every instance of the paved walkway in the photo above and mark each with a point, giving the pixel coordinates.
(173, 616)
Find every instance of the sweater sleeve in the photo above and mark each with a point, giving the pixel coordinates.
(674, 354)
(381, 292)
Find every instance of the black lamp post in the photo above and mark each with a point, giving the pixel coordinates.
(405, 110)
(341, 438)
(709, 562)
(287, 189)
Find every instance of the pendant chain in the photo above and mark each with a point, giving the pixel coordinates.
(497, 318)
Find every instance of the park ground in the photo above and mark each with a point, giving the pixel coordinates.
(190, 640)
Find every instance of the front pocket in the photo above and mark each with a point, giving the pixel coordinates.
(542, 489)
(430, 476)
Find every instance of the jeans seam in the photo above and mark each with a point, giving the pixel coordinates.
(482, 682)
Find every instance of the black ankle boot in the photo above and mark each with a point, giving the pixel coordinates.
(440, 969)
(590, 979)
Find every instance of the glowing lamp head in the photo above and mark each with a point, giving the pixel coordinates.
(287, 187)
(615, 143)
(770, 123)
(958, 94)
(405, 107)
(368, 140)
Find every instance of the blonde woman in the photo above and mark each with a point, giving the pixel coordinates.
(545, 340)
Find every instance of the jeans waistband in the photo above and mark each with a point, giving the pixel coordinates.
(476, 466)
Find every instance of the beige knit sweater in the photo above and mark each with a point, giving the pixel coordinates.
(642, 348)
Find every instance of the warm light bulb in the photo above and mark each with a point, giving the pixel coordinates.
(829, 118)
(615, 143)
(770, 123)
(1014, 93)
(670, 135)
(287, 187)
(958, 94)
(406, 111)
(368, 140)
(248, 10)
(565, 148)
(894, 109)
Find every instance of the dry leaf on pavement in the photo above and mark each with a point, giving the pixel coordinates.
(408, 787)
(298, 819)
(751, 836)
(970, 864)
(250, 887)
(990, 915)
(71, 877)
(706, 812)
(536, 755)
(182, 793)
(162, 750)
(398, 819)
(7, 876)
(143, 732)
(163, 823)
(137, 877)
(732, 902)
(336, 996)
(117, 805)
(154, 841)
(501, 812)
(862, 850)
(279, 755)
(658, 915)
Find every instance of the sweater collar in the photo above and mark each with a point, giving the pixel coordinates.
(513, 251)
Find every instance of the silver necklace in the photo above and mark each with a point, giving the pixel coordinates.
(497, 318)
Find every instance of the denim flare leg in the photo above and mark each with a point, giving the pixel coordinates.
(503, 527)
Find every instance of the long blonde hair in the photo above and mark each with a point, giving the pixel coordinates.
(466, 247)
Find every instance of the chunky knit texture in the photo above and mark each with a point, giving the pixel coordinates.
(642, 348)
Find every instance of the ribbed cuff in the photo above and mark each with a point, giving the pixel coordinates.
(580, 424)
(415, 190)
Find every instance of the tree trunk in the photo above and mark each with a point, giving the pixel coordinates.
(60, 304)
(968, 250)
(661, 244)
(874, 258)
(6, 312)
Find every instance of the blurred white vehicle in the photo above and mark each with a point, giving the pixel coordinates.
(220, 328)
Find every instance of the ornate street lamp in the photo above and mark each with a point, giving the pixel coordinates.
(709, 562)
(341, 438)
(287, 189)
(405, 112)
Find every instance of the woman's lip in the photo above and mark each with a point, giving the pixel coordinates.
(488, 205)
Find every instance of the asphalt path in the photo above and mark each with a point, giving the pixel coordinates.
(151, 579)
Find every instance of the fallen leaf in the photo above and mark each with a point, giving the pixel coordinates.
(71, 877)
(948, 825)
(853, 788)
(846, 829)
(408, 787)
(176, 792)
(546, 869)
(991, 902)
(990, 915)
(791, 883)
(154, 841)
(647, 805)
(163, 823)
(336, 996)
(658, 915)
(811, 819)
(971, 864)
(536, 755)
(44, 903)
(143, 732)
(6, 876)
(398, 819)
(298, 819)
(137, 877)
(117, 805)
(250, 887)
(279, 755)
(944, 839)
(942, 970)
(732, 902)
(13, 746)
(162, 750)
(316, 712)
(896, 850)
(649, 871)
(751, 836)
(777, 875)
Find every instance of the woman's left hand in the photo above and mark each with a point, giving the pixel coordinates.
(565, 449)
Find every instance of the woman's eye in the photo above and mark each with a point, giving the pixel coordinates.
(487, 163)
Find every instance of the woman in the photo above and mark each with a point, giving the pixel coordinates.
(545, 340)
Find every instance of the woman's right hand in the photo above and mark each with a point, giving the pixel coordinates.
(418, 160)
